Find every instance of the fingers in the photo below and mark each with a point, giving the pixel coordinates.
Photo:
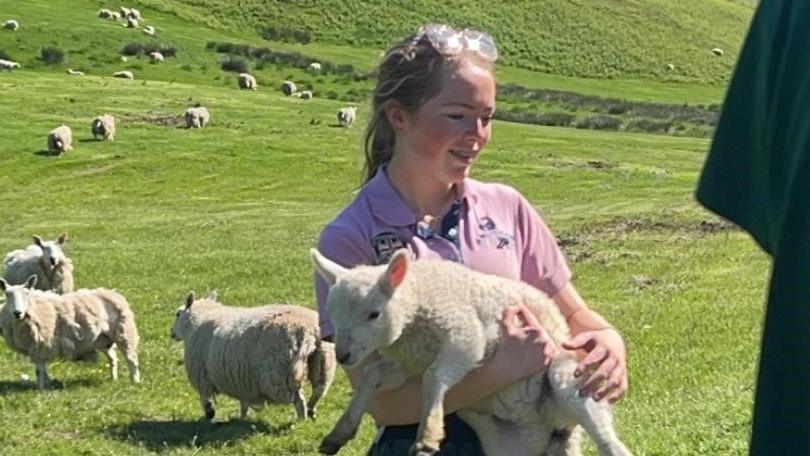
(618, 393)
(592, 360)
(601, 380)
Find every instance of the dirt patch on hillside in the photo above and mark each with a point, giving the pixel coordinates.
(155, 118)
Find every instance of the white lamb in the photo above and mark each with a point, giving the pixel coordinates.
(439, 319)
(717, 51)
(44, 259)
(156, 57)
(346, 116)
(103, 126)
(131, 23)
(11, 24)
(126, 74)
(60, 140)
(247, 81)
(256, 355)
(125, 11)
(149, 30)
(306, 95)
(8, 64)
(46, 326)
(315, 67)
(288, 88)
(135, 14)
(105, 13)
(197, 117)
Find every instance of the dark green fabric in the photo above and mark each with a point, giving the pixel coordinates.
(757, 174)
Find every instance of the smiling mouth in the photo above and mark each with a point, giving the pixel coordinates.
(463, 155)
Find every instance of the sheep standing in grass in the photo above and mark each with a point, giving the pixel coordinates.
(105, 13)
(60, 140)
(718, 52)
(44, 259)
(11, 24)
(257, 355)
(103, 126)
(440, 320)
(288, 88)
(346, 116)
(197, 117)
(306, 95)
(315, 67)
(247, 81)
(8, 65)
(46, 326)
(156, 57)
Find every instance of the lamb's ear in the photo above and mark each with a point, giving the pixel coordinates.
(3, 284)
(189, 299)
(62, 238)
(37, 240)
(395, 274)
(212, 295)
(31, 281)
(328, 269)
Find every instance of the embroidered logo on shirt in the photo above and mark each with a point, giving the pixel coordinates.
(385, 244)
(492, 235)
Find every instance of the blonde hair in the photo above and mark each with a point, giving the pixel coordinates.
(409, 73)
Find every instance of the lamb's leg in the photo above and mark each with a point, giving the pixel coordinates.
(321, 374)
(43, 381)
(378, 375)
(112, 356)
(595, 417)
(300, 403)
(451, 365)
(131, 353)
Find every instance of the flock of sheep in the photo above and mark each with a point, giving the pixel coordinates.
(257, 355)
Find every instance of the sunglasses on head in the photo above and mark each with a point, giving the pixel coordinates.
(448, 41)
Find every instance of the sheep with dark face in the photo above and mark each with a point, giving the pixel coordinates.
(44, 259)
(103, 126)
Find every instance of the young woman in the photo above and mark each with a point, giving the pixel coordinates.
(431, 117)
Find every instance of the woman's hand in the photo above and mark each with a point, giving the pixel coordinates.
(525, 348)
(605, 365)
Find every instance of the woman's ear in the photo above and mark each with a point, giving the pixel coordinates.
(397, 115)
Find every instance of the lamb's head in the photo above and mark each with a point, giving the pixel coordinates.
(362, 305)
(17, 297)
(182, 319)
(52, 253)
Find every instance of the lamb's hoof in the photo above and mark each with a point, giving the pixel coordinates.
(330, 445)
(423, 449)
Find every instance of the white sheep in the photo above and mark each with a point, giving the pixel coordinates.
(315, 67)
(44, 259)
(197, 117)
(125, 11)
(149, 30)
(135, 14)
(103, 126)
(288, 88)
(440, 320)
(306, 95)
(256, 355)
(46, 326)
(246, 81)
(131, 23)
(60, 140)
(718, 52)
(105, 13)
(126, 74)
(156, 57)
(75, 72)
(670, 66)
(11, 24)
(115, 16)
(8, 64)
(346, 116)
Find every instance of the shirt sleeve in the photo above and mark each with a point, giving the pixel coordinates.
(543, 264)
(346, 249)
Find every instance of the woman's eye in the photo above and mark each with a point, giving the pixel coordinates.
(455, 116)
(373, 315)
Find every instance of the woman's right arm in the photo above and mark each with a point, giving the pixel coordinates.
(524, 350)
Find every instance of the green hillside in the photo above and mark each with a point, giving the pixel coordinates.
(585, 38)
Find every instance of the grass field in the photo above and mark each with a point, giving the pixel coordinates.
(236, 206)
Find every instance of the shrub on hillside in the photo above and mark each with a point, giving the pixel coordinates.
(287, 34)
(52, 55)
(133, 49)
(598, 122)
(235, 64)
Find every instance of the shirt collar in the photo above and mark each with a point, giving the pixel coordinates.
(387, 205)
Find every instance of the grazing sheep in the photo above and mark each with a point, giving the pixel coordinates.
(131, 23)
(670, 66)
(440, 320)
(103, 126)
(115, 16)
(197, 117)
(156, 57)
(44, 259)
(346, 116)
(246, 81)
(104, 13)
(717, 51)
(75, 72)
(256, 355)
(124, 11)
(60, 140)
(126, 74)
(288, 87)
(306, 95)
(46, 326)
(315, 67)
(149, 30)
(11, 24)
(8, 65)
(134, 14)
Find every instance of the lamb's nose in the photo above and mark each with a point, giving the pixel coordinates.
(343, 357)
(17, 314)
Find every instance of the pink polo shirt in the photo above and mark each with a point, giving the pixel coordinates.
(499, 233)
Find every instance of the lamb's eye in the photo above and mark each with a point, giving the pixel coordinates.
(373, 315)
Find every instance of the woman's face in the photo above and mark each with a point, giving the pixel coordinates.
(448, 132)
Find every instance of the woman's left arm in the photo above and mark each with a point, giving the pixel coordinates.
(605, 362)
